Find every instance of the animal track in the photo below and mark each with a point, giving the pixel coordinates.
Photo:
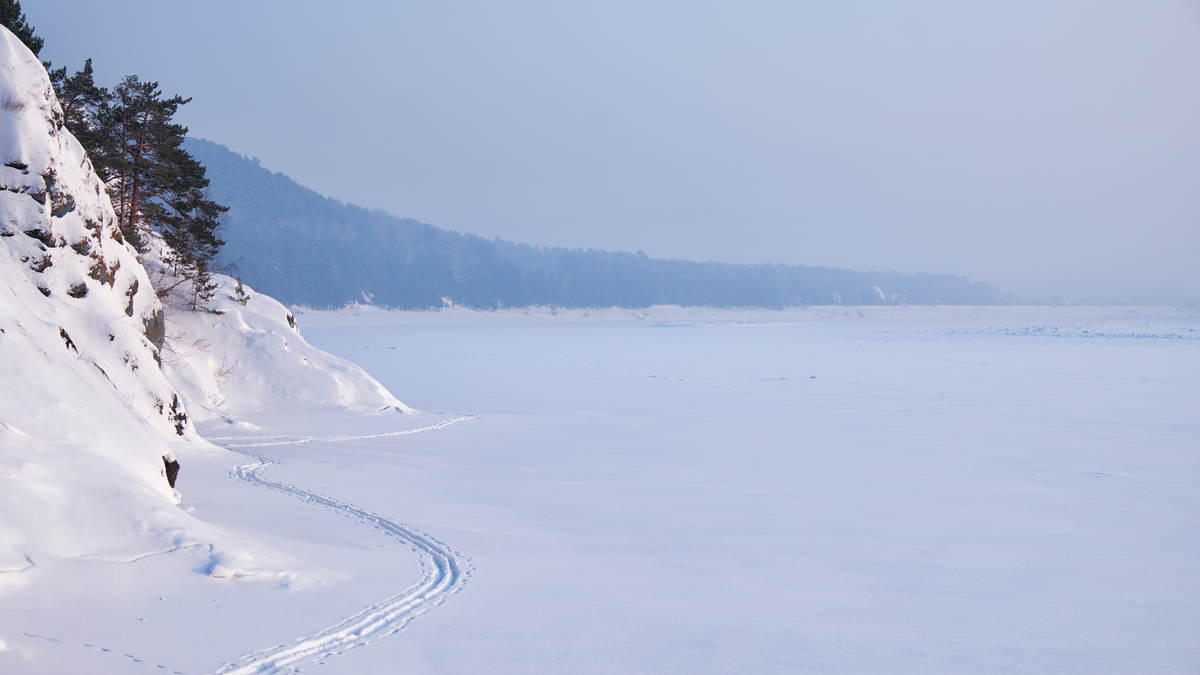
(105, 650)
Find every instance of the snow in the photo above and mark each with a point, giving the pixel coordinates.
(818, 490)
(86, 415)
(238, 359)
(825, 490)
(822, 490)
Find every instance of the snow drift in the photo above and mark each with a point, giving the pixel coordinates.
(246, 355)
(87, 413)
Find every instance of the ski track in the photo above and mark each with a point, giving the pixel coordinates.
(298, 440)
(445, 571)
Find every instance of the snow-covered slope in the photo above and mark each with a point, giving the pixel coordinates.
(87, 412)
(241, 358)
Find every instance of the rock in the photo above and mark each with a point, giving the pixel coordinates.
(172, 469)
(156, 329)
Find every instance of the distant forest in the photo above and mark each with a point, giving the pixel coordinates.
(305, 249)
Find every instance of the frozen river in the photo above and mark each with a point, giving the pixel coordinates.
(885, 490)
(877, 491)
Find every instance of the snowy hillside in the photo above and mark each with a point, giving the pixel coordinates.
(85, 413)
(307, 249)
(89, 416)
(242, 358)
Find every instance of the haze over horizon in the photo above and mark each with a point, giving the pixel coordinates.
(1049, 149)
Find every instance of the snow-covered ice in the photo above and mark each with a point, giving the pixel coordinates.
(824, 490)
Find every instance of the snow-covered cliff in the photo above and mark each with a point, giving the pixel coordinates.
(87, 410)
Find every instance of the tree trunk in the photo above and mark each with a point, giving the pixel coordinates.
(137, 183)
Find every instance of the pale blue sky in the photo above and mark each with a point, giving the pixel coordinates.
(1042, 146)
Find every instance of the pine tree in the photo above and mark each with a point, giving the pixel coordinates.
(136, 149)
(203, 286)
(12, 18)
(240, 293)
(142, 130)
(157, 185)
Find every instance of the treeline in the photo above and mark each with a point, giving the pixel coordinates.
(303, 248)
(157, 188)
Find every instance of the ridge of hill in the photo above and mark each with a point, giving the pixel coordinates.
(306, 249)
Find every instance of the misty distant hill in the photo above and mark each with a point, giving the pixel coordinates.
(306, 249)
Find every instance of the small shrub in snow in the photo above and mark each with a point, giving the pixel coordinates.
(240, 293)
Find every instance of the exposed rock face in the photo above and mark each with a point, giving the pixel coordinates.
(156, 328)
